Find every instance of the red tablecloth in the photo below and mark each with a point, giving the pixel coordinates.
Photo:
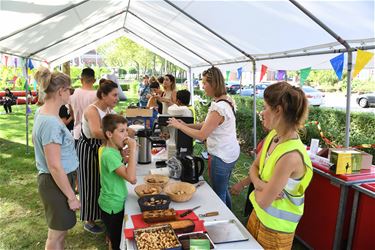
(364, 174)
(139, 223)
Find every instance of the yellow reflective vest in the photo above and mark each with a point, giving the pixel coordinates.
(283, 214)
(191, 108)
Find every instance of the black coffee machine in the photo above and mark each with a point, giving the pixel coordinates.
(192, 167)
(184, 143)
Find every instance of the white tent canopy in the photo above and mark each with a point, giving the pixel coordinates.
(191, 34)
(283, 34)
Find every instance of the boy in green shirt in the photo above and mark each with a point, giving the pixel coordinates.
(113, 172)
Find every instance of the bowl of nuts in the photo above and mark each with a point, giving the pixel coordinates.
(154, 202)
(180, 191)
(156, 180)
(159, 237)
(146, 189)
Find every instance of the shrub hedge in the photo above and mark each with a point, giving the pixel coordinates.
(332, 123)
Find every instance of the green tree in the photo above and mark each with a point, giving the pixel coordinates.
(127, 54)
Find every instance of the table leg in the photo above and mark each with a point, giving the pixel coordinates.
(353, 220)
(340, 217)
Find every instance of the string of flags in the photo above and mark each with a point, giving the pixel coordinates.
(332, 144)
(337, 63)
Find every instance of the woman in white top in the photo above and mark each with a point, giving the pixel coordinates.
(219, 128)
(87, 151)
(168, 97)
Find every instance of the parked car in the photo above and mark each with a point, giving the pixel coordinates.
(248, 90)
(315, 97)
(232, 87)
(196, 83)
(366, 100)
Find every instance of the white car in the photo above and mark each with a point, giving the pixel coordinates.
(315, 97)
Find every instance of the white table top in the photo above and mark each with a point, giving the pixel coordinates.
(204, 196)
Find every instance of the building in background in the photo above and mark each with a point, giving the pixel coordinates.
(89, 59)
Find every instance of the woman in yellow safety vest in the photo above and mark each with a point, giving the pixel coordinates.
(282, 171)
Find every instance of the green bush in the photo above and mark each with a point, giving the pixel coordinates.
(331, 121)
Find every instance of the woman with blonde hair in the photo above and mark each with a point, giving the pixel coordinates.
(55, 157)
(219, 128)
(282, 171)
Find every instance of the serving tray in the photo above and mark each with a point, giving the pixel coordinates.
(225, 231)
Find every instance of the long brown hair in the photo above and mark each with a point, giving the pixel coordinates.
(291, 99)
(215, 78)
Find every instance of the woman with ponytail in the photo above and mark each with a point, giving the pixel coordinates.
(55, 158)
(282, 171)
(219, 128)
(87, 150)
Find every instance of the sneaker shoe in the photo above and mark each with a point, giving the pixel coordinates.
(94, 229)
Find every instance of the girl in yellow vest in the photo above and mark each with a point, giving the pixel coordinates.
(282, 171)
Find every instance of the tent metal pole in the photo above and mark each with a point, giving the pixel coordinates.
(27, 105)
(171, 38)
(77, 33)
(348, 93)
(191, 87)
(210, 30)
(44, 19)
(126, 14)
(321, 24)
(140, 37)
(254, 109)
(110, 33)
(348, 87)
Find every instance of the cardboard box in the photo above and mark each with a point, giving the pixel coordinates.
(347, 160)
(138, 112)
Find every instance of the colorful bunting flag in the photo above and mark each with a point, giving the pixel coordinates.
(262, 72)
(363, 57)
(15, 62)
(338, 65)
(227, 75)
(304, 74)
(239, 73)
(281, 75)
(35, 85)
(28, 110)
(6, 60)
(30, 66)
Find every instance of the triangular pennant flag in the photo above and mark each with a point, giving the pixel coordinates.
(338, 65)
(239, 73)
(28, 110)
(227, 75)
(15, 62)
(30, 64)
(281, 75)
(6, 60)
(304, 74)
(263, 71)
(363, 57)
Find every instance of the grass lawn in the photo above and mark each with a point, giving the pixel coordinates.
(21, 213)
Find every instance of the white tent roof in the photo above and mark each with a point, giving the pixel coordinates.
(191, 34)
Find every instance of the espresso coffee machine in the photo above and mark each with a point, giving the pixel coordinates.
(183, 142)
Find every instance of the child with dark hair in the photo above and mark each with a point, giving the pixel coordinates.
(182, 106)
(113, 172)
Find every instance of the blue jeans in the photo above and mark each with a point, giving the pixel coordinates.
(220, 173)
